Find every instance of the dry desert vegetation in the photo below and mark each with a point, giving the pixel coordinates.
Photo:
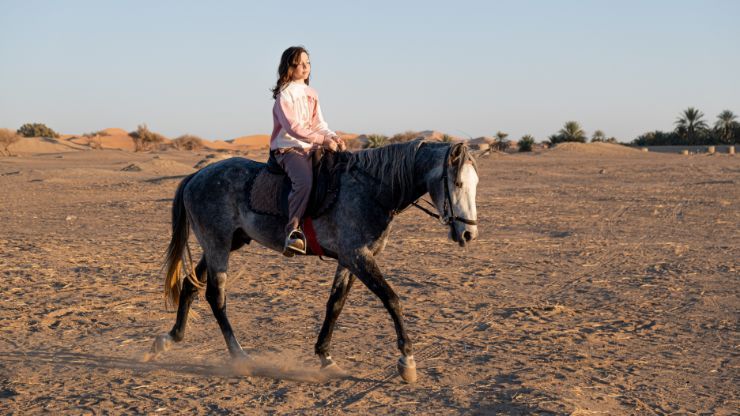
(604, 281)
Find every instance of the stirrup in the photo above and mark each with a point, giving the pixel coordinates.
(294, 243)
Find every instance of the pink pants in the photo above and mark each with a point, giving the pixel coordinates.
(297, 165)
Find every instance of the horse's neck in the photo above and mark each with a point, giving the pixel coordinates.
(392, 198)
(427, 159)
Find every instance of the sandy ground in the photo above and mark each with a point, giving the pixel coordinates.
(602, 283)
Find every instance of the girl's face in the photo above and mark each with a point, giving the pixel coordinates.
(302, 69)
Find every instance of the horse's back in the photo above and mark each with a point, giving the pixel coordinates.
(220, 185)
(226, 175)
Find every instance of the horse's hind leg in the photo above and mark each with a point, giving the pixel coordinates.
(164, 341)
(217, 264)
(186, 299)
(342, 283)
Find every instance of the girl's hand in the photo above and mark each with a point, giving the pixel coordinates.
(342, 145)
(330, 144)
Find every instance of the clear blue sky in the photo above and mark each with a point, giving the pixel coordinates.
(475, 67)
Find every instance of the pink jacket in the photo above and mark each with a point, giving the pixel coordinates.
(297, 118)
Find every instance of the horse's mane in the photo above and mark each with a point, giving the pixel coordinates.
(460, 155)
(391, 165)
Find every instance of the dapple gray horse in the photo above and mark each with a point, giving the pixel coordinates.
(375, 185)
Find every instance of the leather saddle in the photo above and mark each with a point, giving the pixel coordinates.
(268, 192)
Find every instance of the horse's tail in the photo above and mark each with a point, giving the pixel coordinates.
(177, 247)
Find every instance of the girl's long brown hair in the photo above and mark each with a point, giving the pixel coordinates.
(288, 62)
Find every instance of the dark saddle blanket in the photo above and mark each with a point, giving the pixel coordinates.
(268, 192)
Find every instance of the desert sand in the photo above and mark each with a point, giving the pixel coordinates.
(604, 281)
(119, 139)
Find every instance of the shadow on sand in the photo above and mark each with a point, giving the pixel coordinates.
(272, 365)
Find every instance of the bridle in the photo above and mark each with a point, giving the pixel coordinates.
(445, 218)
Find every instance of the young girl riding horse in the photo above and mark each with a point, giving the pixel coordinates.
(299, 130)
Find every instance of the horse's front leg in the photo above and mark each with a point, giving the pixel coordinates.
(340, 288)
(362, 264)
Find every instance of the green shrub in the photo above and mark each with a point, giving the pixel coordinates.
(7, 137)
(188, 142)
(145, 139)
(36, 130)
(525, 143)
(376, 140)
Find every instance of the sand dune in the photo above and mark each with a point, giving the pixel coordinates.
(253, 141)
(437, 135)
(31, 145)
(159, 166)
(209, 159)
(122, 142)
(114, 131)
(218, 145)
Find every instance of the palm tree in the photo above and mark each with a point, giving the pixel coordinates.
(689, 124)
(572, 132)
(726, 126)
(598, 136)
(501, 143)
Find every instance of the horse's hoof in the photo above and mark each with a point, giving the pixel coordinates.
(326, 361)
(407, 368)
(161, 344)
(240, 357)
(330, 369)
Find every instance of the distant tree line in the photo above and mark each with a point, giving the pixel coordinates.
(692, 130)
(571, 132)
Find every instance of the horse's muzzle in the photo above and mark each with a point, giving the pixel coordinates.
(463, 234)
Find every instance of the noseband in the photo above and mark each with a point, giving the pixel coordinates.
(446, 219)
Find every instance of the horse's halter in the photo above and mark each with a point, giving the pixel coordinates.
(445, 218)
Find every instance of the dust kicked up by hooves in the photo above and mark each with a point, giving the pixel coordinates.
(284, 365)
